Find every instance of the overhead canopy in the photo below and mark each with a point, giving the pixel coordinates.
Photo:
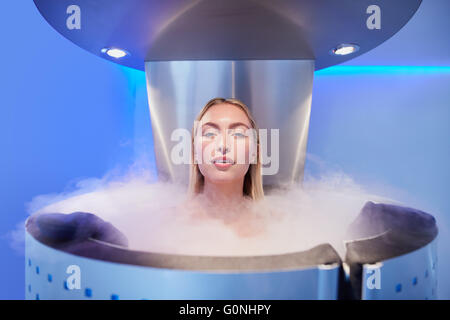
(169, 30)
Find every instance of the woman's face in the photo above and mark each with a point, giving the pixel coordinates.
(226, 141)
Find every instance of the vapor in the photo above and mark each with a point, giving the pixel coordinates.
(157, 216)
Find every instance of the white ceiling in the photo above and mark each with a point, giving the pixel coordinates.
(423, 41)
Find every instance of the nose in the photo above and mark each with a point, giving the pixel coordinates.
(222, 144)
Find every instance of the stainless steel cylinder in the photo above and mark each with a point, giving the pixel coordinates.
(278, 92)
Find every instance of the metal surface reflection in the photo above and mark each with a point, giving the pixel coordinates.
(277, 92)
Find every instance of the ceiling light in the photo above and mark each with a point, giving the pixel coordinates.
(115, 52)
(344, 49)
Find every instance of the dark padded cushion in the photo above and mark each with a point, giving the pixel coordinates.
(77, 227)
(375, 219)
(382, 231)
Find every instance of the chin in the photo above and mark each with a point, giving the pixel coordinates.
(217, 176)
(223, 177)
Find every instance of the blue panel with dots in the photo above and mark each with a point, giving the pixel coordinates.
(410, 276)
(88, 292)
(98, 279)
(401, 278)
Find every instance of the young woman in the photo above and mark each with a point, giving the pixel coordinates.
(225, 175)
(225, 130)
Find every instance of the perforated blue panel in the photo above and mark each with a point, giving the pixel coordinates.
(47, 278)
(411, 276)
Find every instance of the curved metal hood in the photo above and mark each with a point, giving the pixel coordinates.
(156, 30)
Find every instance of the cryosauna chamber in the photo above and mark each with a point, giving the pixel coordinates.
(263, 53)
(391, 255)
(110, 271)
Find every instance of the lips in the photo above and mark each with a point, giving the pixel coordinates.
(222, 162)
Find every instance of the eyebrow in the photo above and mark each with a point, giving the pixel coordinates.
(233, 125)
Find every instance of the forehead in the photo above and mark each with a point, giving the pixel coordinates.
(225, 113)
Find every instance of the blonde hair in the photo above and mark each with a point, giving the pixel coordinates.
(253, 178)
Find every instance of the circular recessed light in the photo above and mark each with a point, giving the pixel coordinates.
(344, 49)
(115, 52)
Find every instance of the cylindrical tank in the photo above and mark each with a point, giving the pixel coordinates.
(94, 269)
(391, 254)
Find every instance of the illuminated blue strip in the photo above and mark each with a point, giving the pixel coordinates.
(352, 70)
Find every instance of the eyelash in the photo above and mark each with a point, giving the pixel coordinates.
(237, 134)
(207, 134)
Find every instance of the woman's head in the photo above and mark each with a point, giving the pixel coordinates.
(226, 148)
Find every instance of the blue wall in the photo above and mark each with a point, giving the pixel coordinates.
(67, 114)
(389, 129)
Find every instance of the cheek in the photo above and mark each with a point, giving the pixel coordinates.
(252, 150)
(242, 150)
(206, 148)
(207, 151)
(202, 150)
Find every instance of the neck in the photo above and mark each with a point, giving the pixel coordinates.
(224, 194)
